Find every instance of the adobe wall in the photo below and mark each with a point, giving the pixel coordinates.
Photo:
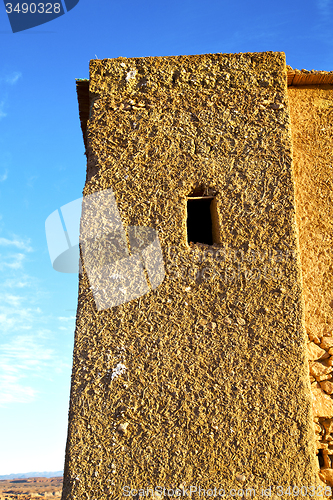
(215, 390)
(311, 110)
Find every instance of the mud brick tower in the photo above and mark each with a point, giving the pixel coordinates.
(203, 381)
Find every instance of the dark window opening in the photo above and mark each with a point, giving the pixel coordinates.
(321, 459)
(199, 220)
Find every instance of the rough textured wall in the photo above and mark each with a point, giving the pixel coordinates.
(311, 110)
(215, 390)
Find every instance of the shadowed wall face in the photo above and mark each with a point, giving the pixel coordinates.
(203, 380)
(311, 110)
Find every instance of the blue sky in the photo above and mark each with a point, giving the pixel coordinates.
(42, 167)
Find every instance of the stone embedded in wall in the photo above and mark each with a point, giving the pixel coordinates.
(317, 369)
(326, 343)
(317, 428)
(327, 476)
(314, 351)
(327, 386)
(328, 426)
(322, 404)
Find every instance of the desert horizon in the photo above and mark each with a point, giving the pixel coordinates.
(31, 488)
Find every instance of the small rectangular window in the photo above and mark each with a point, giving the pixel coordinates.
(202, 220)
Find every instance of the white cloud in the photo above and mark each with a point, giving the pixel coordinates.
(24, 349)
(20, 311)
(324, 5)
(13, 77)
(13, 319)
(67, 318)
(325, 13)
(31, 180)
(24, 359)
(4, 176)
(21, 358)
(22, 282)
(20, 293)
(6, 161)
(2, 112)
(16, 242)
(29, 352)
(9, 79)
(13, 300)
(12, 392)
(17, 263)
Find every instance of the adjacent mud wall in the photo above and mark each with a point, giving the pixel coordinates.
(204, 381)
(311, 110)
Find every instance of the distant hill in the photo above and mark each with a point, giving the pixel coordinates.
(33, 474)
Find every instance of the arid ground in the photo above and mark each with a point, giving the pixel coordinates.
(31, 488)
